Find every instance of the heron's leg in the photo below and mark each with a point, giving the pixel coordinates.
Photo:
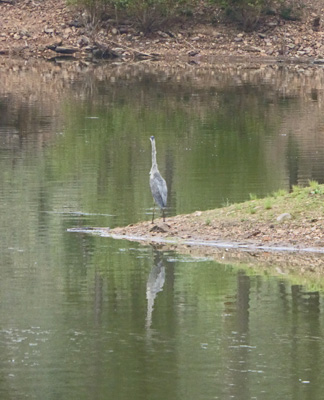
(153, 214)
(163, 214)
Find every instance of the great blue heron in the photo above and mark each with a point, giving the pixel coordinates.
(158, 185)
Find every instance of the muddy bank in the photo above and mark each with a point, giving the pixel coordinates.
(51, 29)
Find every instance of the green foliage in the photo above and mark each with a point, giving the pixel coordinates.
(150, 15)
(248, 13)
(146, 15)
(291, 10)
(244, 12)
(95, 10)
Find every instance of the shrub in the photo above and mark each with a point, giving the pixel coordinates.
(93, 11)
(244, 12)
(146, 15)
(248, 13)
(291, 9)
(150, 15)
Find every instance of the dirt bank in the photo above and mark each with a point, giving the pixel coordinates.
(50, 29)
(285, 220)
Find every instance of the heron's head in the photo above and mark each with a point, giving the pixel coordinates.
(152, 138)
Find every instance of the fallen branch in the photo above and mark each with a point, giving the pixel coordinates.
(104, 52)
(137, 53)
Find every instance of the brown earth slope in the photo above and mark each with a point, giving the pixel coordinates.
(30, 28)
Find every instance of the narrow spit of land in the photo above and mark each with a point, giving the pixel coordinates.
(283, 220)
(282, 234)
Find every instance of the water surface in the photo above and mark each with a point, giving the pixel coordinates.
(88, 317)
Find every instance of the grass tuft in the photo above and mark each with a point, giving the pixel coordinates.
(253, 196)
(280, 193)
(268, 203)
(315, 187)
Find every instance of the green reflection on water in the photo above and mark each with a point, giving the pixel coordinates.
(207, 156)
(87, 317)
(219, 139)
(214, 332)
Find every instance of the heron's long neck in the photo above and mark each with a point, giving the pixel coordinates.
(154, 164)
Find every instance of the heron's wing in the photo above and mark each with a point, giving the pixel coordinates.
(159, 189)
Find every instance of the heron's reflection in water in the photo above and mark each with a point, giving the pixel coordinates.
(154, 285)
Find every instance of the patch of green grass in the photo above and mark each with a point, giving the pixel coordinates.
(253, 210)
(315, 187)
(304, 203)
(253, 196)
(268, 203)
(313, 184)
(280, 193)
(297, 190)
(226, 203)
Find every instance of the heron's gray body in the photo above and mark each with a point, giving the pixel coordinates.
(157, 183)
(159, 189)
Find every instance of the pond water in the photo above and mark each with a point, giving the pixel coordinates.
(89, 317)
